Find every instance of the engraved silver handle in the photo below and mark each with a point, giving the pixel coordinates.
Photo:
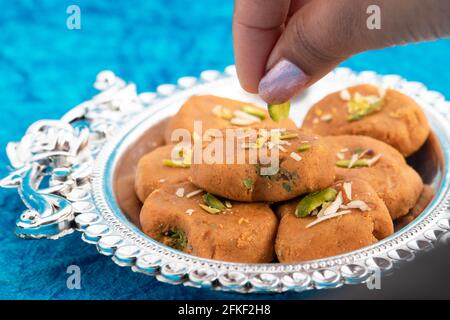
(52, 163)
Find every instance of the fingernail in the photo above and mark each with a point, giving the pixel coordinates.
(282, 82)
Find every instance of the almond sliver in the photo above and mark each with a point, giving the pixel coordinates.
(374, 160)
(323, 218)
(358, 204)
(347, 186)
(334, 206)
(353, 160)
(194, 193)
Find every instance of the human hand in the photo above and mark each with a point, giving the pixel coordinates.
(297, 42)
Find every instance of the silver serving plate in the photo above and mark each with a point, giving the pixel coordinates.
(76, 173)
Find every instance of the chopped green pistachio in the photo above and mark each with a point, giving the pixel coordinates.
(304, 147)
(248, 183)
(280, 111)
(212, 202)
(359, 150)
(175, 163)
(361, 106)
(290, 135)
(209, 209)
(174, 238)
(357, 164)
(254, 112)
(314, 200)
(287, 186)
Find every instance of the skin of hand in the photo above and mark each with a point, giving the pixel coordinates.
(283, 46)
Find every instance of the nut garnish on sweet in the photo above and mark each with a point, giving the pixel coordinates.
(279, 112)
(329, 203)
(183, 159)
(246, 116)
(360, 106)
(359, 158)
(212, 204)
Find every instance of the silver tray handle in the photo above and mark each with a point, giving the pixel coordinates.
(51, 165)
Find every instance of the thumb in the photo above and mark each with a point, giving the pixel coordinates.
(323, 33)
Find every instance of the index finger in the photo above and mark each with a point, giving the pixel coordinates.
(257, 25)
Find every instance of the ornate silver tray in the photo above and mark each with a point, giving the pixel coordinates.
(76, 173)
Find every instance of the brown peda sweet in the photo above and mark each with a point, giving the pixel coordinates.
(396, 118)
(301, 163)
(425, 198)
(297, 242)
(151, 173)
(243, 233)
(217, 113)
(395, 182)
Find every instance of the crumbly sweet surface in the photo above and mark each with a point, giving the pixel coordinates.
(395, 182)
(151, 173)
(204, 108)
(297, 242)
(399, 122)
(425, 198)
(300, 171)
(243, 233)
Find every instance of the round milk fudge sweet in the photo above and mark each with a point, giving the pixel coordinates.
(425, 198)
(379, 164)
(386, 115)
(275, 165)
(185, 218)
(344, 217)
(217, 113)
(159, 167)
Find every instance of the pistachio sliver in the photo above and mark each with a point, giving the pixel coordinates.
(357, 164)
(354, 117)
(313, 201)
(254, 112)
(212, 202)
(291, 135)
(248, 183)
(359, 108)
(280, 111)
(175, 163)
(287, 186)
(304, 147)
(209, 209)
(174, 238)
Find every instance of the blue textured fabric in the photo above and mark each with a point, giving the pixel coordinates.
(45, 69)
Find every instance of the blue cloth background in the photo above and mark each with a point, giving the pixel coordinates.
(45, 69)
